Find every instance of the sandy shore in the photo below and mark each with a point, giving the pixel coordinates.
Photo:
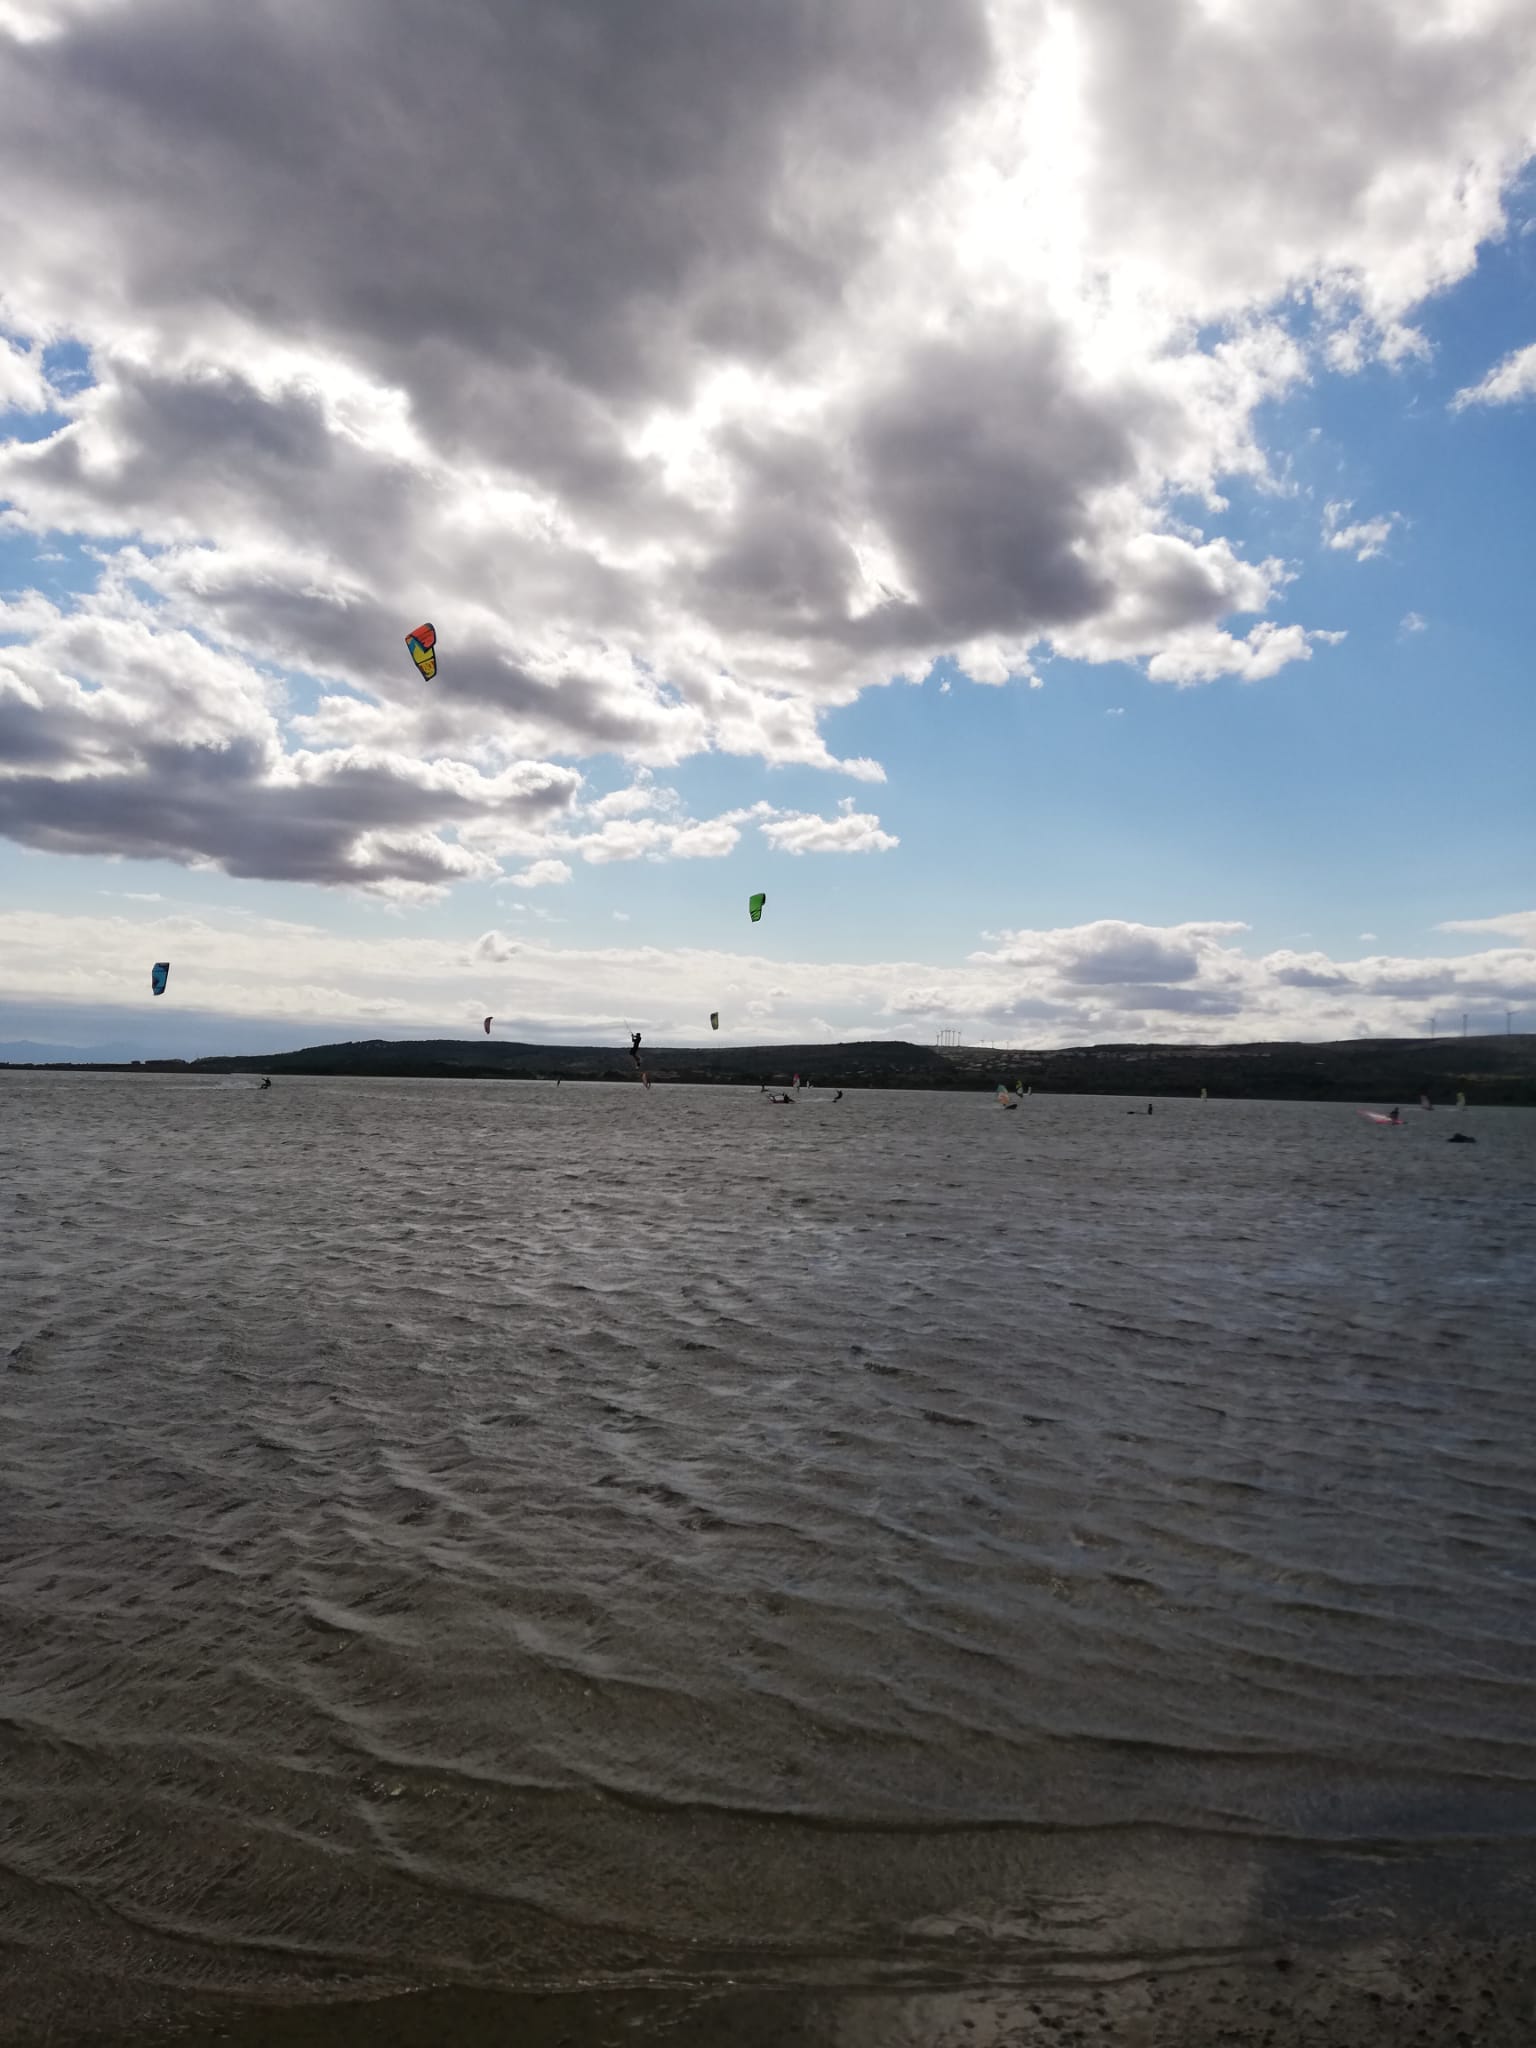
(1409, 1995)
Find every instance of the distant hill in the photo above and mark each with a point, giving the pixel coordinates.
(1488, 1070)
(878, 1063)
(25, 1052)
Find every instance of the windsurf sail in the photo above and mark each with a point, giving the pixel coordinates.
(1203, 1096)
(1461, 1100)
(755, 906)
(1004, 1099)
(159, 975)
(1425, 1103)
(1374, 1116)
(422, 641)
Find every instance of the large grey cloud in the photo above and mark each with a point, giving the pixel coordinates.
(694, 365)
(597, 186)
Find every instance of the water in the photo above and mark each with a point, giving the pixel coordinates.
(486, 1535)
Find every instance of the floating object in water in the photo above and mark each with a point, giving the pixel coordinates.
(1460, 1138)
(422, 641)
(159, 975)
(755, 906)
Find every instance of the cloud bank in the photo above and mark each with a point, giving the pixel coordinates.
(1108, 981)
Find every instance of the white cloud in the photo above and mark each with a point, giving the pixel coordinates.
(1367, 938)
(851, 832)
(23, 386)
(1515, 924)
(642, 794)
(1413, 622)
(1361, 538)
(1200, 656)
(543, 874)
(1507, 383)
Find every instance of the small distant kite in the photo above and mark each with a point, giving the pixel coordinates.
(159, 975)
(714, 1020)
(488, 1023)
(422, 643)
(755, 906)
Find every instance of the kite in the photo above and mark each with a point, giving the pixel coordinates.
(488, 1023)
(755, 906)
(714, 1020)
(159, 975)
(422, 642)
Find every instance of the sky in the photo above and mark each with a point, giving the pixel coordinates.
(1042, 491)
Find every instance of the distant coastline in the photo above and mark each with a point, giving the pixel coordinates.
(1489, 1071)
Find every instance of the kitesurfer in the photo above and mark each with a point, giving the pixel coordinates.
(838, 1096)
(1396, 1117)
(266, 1082)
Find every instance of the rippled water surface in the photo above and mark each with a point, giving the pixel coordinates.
(488, 1534)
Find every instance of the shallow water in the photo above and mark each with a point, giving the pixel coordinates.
(492, 1535)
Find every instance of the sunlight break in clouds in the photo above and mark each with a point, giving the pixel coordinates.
(695, 374)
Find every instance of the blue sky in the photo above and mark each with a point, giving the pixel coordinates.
(1195, 537)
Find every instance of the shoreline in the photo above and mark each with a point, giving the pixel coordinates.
(1491, 1072)
(1442, 1992)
